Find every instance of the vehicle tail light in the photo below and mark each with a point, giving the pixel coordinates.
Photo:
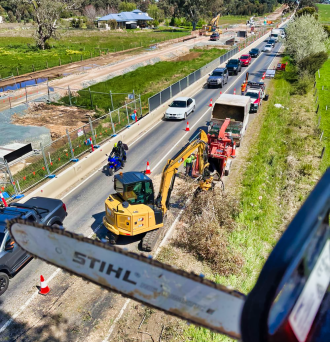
(64, 207)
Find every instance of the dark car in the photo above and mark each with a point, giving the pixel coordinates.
(219, 77)
(272, 42)
(234, 66)
(41, 210)
(215, 36)
(254, 53)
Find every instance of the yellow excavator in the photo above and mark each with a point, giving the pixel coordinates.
(134, 210)
(213, 26)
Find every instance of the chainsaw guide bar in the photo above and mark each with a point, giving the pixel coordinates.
(177, 292)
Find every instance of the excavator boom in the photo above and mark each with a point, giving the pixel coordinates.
(172, 166)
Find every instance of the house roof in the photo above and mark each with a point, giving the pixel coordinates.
(126, 16)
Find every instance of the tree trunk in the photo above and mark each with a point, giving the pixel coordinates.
(194, 25)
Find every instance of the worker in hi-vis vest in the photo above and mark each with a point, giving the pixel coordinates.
(188, 163)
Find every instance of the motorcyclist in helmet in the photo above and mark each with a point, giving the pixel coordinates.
(119, 151)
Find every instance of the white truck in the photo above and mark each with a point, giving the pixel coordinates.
(234, 107)
(275, 34)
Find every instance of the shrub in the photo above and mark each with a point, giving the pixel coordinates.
(113, 24)
(327, 29)
(302, 86)
(313, 62)
(90, 25)
(155, 23)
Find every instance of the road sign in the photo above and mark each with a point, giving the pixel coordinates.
(80, 132)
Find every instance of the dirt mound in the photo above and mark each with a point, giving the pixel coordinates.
(56, 118)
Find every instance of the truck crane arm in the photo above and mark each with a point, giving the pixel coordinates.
(172, 166)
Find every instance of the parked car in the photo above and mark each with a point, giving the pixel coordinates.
(254, 53)
(41, 210)
(272, 42)
(234, 66)
(267, 48)
(245, 60)
(219, 77)
(180, 108)
(215, 36)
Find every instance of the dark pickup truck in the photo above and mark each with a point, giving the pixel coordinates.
(47, 211)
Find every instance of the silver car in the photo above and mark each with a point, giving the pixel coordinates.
(219, 77)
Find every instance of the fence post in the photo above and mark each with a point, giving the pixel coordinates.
(26, 94)
(112, 124)
(11, 177)
(45, 160)
(134, 99)
(70, 145)
(69, 93)
(140, 106)
(118, 116)
(111, 100)
(9, 102)
(17, 71)
(91, 126)
(91, 97)
(48, 91)
(127, 115)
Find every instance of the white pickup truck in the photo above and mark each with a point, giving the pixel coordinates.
(234, 107)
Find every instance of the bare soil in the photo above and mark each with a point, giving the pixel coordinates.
(41, 114)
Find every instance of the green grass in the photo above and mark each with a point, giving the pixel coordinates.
(280, 173)
(75, 45)
(324, 13)
(324, 101)
(147, 80)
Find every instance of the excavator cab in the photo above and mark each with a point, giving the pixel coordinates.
(134, 188)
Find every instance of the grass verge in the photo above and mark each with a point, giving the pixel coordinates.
(324, 13)
(19, 54)
(323, 95)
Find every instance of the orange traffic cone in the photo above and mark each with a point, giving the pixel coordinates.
(263, 76)
(3, 200)
(187, 127)
(148, 172)
(211, 105)
(44, 289)
(234, 151)
(234, 91)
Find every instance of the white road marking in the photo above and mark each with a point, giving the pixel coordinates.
(23, 307)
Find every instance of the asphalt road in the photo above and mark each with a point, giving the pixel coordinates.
(85, 204)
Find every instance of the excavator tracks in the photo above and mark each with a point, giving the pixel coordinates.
(150, 239)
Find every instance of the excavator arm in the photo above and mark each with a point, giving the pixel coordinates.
(172, 166)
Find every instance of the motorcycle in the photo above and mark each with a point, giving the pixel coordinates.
(114, 164)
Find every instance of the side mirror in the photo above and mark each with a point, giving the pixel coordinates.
(10, 245)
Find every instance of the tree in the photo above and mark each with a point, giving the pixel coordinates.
(90, 12)
(312, 63)
(46, 14)
(155, 13)
(113, 24)
(127, 7)
(307, 10)
(305, 36)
